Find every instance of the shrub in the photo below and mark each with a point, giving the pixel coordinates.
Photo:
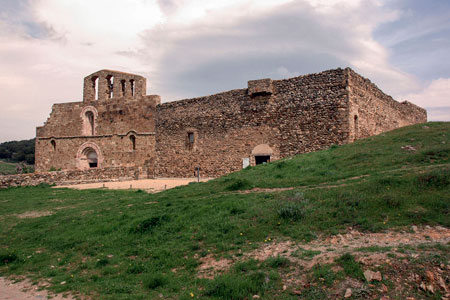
(6, 258)
(291, 211)
(435, 179)
(148, 225)
(350, 266)
(277, 262)
(238, 184)
(324, 273)
(236, 287)
(154, 281)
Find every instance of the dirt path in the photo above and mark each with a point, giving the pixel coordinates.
(25, 290)
(149, 185)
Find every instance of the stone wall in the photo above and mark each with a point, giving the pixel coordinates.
(119, 127)
(372, 112)
(70, 177)
(291, 116)
(221, 133)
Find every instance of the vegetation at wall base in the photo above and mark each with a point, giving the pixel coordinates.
(117, 245)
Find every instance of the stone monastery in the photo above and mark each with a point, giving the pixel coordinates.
(118, 130)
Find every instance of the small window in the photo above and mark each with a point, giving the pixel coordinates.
(190, 140)
(355, 127)
(110, 86)
(122, 87)
(53, 144)
(132, 87)
(95, 87)
(133, 142)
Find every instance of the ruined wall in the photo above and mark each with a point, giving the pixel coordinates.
(70, 177)
(372, 112)
(119, 127)
(291, 116)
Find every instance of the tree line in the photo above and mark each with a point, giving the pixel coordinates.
(18, 151)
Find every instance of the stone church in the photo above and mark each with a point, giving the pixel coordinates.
(117, 128)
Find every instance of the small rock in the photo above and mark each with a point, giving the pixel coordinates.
(348, 293)
(370, 275)
(414, 228)
(384, 298)
(430, 276)
(255, 297)
(385, 288)
(423, 286)
(62, 282)
(430, 288)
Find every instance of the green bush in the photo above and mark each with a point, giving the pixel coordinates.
(277, 262)
(7, 257)
(154, 281)
(236, 287)
(350, 266)
(291, 211)
(238, 184)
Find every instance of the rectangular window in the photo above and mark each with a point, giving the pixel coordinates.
(190, 140)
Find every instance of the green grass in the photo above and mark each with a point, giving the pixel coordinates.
(133, 245)
(7, 168)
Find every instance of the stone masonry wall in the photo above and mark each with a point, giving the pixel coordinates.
(372, 112)
(70, 177)
(291, 116)
(119, 127)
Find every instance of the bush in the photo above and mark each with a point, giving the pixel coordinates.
(6, 258)
(236, 287)
(436, 179)
(277, 262)
(148, 225)
(239, 184)
(350, 266)
(291, 211)
(154, 281)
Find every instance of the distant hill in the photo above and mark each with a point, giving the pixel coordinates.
(18, 151)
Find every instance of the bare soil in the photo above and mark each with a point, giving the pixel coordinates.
(25, 290)
(149, 185)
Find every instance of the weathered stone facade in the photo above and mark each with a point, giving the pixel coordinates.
(118, 126)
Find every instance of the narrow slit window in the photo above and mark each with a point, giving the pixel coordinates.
(122, 87)
(132, 87)
(133, 142)
(355, 129)
(110, 86)
(95, 87)
(53, 145)
(190, 140)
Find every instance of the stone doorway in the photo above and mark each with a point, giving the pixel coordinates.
(89, 156)
(262, 159)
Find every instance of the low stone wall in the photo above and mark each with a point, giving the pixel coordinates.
(70, 177)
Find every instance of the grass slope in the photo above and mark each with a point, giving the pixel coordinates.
(7, 168)
(134, 245)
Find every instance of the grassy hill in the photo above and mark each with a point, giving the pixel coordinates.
(133, 245)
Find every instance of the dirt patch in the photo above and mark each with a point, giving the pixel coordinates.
(148, 185)
(25, 290)
(327, 249)
(34, 214)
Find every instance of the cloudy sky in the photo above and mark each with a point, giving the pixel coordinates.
(190, 48)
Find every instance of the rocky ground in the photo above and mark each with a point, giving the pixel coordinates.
(409, 263)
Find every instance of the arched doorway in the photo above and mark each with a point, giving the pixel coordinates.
(89, 156)
(262, 154)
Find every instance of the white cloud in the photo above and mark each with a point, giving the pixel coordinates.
(434, 95)
(184, 47)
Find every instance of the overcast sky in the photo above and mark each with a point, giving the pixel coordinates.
(188, 48)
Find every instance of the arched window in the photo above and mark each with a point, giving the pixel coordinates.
(132, 87)
(133, 142)
(95, 87)
(53, 143)
(122, 88)
(90, 122)
(110, 86)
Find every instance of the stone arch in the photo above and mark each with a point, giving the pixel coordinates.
(89, 116)
(262, 154)
(89, 156)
